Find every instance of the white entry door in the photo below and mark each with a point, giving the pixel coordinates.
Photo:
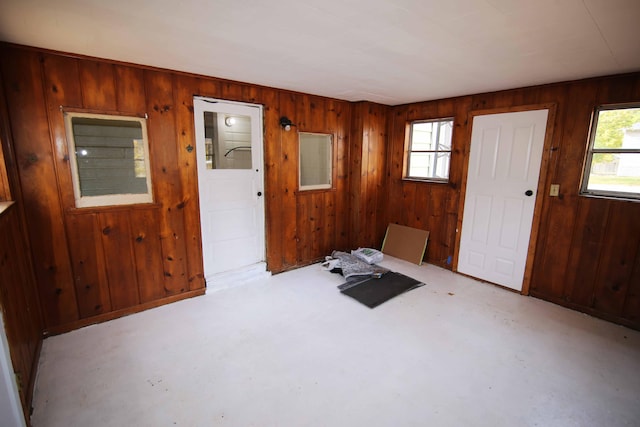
(230, 181)
(502, 182)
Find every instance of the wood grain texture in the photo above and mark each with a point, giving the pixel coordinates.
(586, 253)
(22, 77)
(19, 303)
(185, 87)
(88, 262)
(367, 171)
(97, 80)
(586, 249)
(167, 186)
(153, 253)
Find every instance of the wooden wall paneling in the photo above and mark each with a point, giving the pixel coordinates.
(310, 117)
(586, 251)
(367, 180)
(559, 95)
(303, 238)
(395, 165)
(274, 224)
(374, 134)
(631, 310)
(147, 249)
(231, 91)
(318, 222)
(34, 156)
(5, 189)
(8, 171)
(12, 301)
(561, 217)
(211, 88)
(89, 274)
(337, 115)
(289, 181)
(251, 94)
(62, 89)
(620, 247)
(97, 79)
(329, 235)
(119, 258)
(356, 161)
(185, 87)
(409, 190)
(14, 249)
(129, 90)
(461, 143)
(422, 214)
(165, 176)
(302, 116)
(19, 304)
(304, 199)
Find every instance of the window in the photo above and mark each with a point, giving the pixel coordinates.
(227, 141)
(109, 158)
(316, 161)
(429, 151)
(612, 164)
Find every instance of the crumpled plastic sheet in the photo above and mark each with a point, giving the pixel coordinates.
(351, 266)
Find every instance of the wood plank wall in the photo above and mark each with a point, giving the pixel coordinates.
(588, 250)
(19, 301)
(587, 258)
(95, 264)
(368, 174)
(19, 304)
(428, 206)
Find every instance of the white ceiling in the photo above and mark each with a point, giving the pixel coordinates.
(391, 52)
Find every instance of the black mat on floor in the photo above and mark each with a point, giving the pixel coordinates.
(372, 292)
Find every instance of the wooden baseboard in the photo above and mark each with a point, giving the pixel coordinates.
(60, 329)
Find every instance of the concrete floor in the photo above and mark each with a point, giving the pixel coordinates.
(290, 350)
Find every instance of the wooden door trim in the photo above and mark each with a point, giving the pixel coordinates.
(542, 181)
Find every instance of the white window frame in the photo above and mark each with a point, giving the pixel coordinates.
(586, 173)
(111, 199)
(409, 151)
(326, 186)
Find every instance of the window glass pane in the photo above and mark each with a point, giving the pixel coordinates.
(429, 136)
(430, 149)
(227, 141)
(110, 156)
(315, 161)
(618, 128)
(618, 173)
(613, 157)
(429, 165)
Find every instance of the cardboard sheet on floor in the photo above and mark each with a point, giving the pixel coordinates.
(406, 243)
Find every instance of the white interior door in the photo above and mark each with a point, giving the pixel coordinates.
(230, 179)
(502, 182)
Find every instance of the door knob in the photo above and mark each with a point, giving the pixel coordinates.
(259, 193)
(528, 193)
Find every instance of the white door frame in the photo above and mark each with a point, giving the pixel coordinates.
(259, 160)
(547, 154)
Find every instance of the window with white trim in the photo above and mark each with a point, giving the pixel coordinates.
(109, 157)
(316, 161)
(429, 150)
(612, 164)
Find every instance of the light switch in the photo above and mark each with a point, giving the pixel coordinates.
(554, 190)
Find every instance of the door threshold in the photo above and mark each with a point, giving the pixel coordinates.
(237, 277)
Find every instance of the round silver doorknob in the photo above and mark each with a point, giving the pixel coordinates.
(528, 193)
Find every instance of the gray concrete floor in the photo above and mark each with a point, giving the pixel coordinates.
(290, 350)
